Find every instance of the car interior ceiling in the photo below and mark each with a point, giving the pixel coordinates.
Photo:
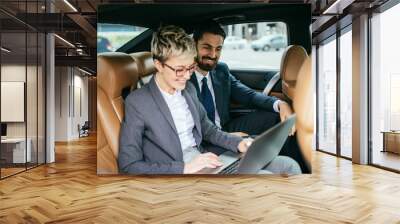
(188, 16)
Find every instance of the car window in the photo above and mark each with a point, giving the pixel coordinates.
(110, 37)
(254, 45)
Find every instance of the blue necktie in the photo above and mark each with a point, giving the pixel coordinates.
(207, 100)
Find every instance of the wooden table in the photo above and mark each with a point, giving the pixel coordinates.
(391, 141)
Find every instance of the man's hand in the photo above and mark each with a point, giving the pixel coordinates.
(244, 145)
(205, 160)
(284, 112)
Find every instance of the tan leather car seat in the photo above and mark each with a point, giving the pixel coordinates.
(304, 108)
(116, 72)
(292, 59)
(146, 66)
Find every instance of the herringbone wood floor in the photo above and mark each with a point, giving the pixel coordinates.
(69, 191)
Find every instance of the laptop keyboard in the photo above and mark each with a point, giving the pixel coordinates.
(231, 169)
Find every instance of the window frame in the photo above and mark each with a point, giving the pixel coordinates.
(333, 37)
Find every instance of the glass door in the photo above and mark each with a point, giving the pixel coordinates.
(14, 154)
(326, 96)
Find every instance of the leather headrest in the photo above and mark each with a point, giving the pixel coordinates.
(145, 63)
(303, 99)
(292, 59)
(116, 71)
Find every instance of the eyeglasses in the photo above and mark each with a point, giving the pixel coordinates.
(182, 71)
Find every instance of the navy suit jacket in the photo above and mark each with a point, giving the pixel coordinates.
(227, 87)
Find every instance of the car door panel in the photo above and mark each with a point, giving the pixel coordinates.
(257, 80)
(254, 79)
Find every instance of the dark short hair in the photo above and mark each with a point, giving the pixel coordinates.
(208, 27)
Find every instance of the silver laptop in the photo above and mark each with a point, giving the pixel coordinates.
(262, 151)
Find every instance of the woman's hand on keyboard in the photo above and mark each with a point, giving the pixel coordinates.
(205, 160)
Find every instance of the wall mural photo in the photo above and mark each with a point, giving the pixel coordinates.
(208, 89)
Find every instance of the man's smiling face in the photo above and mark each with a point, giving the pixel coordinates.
(209, 48)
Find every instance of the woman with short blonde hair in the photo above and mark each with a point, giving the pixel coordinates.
(164, 122)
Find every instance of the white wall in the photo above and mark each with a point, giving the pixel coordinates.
(16, 73)
(79, 112)
(70, 83)
(61, 103)
(12, 100)
(33, 126)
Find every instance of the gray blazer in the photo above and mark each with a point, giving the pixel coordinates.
(149, 142)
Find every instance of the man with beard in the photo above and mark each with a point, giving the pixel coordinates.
(217, 87)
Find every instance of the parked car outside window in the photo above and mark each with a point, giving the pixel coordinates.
(268, 43)
(238, 52)
(234, 42)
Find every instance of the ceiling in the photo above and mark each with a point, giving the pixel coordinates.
(76, 20)
(76, 25)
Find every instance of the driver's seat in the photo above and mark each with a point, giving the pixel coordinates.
(292, 60)
(303, 104)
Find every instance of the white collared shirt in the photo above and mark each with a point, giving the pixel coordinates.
(182, 117)
(200, 77)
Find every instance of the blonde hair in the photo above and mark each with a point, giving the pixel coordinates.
(169, 41)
